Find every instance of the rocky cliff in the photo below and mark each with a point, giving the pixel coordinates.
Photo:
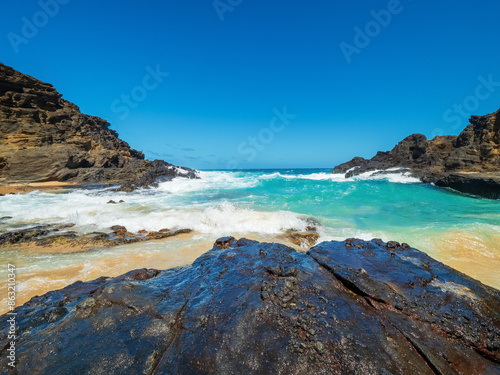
(469, 162)
(244, 307)
(46, 138)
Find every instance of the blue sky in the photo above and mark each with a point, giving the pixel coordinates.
(259, 84)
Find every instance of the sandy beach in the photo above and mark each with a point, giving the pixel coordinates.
(32, 186)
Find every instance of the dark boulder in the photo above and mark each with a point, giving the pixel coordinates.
(245, 307)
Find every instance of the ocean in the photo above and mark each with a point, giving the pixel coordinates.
(456, 229)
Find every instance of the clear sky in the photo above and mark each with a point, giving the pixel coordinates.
(263, 84)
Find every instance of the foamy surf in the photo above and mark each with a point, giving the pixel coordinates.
(90, 212)
(209, 181)
(377, 175)
(391, 175)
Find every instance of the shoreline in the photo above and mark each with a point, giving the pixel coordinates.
(27, 187)
(471, 249)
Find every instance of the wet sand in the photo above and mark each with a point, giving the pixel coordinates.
(476, 255)
(32, 186)
(40, 270)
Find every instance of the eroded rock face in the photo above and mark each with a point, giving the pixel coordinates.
(469, 163)
(46, 138)
(246, 307)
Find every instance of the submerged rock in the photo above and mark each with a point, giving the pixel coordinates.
(47, 238)
(244, 307)
(303, 239)
(31, 234)
(469, 162)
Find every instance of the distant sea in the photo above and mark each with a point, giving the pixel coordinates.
(459, 230)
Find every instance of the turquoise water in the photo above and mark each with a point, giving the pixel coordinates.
(394, 205)
(457, 229)
(389, 202)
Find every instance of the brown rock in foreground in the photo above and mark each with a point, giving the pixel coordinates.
(46, 138)
(469, 162)
(352, 307)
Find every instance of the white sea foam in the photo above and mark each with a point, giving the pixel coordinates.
(220, 218)
(90, 211)
(226, 218)
(352, 169)
(208, 181)
(403, 177)
(312, 176)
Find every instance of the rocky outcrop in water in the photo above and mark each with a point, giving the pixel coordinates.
(352, 307)
(51, 237)
(468, 163)
(46, 138)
